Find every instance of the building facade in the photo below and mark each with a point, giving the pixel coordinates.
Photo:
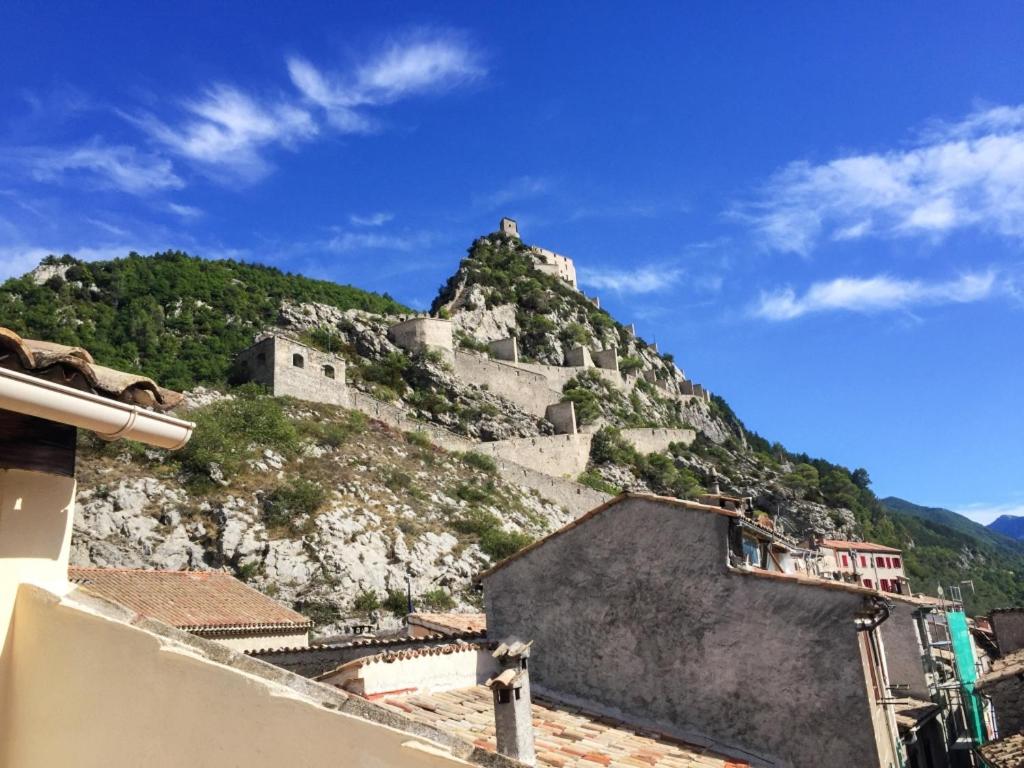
(647, 607)
(871, 565)
(289, 368)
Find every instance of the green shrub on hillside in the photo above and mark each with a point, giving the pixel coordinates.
(435, 600)
(286, 502)
(230, 432)
(178, 319)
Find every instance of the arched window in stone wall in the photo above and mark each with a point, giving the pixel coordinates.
(297, 361)
(329, 371)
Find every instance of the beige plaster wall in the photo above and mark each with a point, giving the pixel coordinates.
(92, 692)
(268, 642)
(426, 673)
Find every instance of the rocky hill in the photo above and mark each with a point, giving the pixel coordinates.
(1008, 525)
(331, 511)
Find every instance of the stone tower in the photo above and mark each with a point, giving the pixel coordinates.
(290, 368)
(509, 227)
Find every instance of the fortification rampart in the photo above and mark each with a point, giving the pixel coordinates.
(554, 455)
(530, 390)
(570, 495)
(558, 376)
(657, 439)
(289, 368)
(422, 333)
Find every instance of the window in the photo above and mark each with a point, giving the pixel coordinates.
(329, 371)
(846, 561)
(297, 361)
(863, 561)
(867, 583)
(504, 696)
(896, 563)
(752, 551)
(884, 585)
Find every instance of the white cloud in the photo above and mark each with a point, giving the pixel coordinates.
(986, 513)
(227, 128)
(649, 279)
(519, 188)
(346, 242)
(119, 167)
(371, 220)
(185, 211)
(965, 174)
(874, 294)
(16, 260)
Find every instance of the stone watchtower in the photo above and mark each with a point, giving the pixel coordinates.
(289, 368)
(509, 227)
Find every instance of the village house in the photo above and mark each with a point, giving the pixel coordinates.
(874, 566)
(210, 604)
(656, 609)
(87, 682)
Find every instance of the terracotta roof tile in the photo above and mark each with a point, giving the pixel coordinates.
(1005, 666)
(191, 600)
(1005, 753)
(455, 622)
(860, 546)
(564, 736)
(74, 367)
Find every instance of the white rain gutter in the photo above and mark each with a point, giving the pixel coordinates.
(109, 419)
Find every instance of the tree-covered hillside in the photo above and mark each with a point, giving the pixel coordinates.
(171, 316)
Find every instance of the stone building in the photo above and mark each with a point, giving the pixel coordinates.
(288, 367)
(419, 334)
(1008, 628)
(210, 604)
(647, 606)
(552, 263)
(874, 566)
(1003, 685)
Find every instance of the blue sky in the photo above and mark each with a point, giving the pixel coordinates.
(819, 208)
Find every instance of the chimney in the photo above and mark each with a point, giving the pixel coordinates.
(513, 718)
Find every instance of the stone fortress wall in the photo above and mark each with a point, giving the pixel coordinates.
(547, 464)
(289, 368)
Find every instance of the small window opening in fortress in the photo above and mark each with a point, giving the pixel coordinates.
(261, 358)
(297, 361)
(329, 371)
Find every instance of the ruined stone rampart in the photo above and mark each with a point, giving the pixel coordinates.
(530, 390)
(505, 349)
(567, 494)
(657, 439)
(554, 455)
(558, 376)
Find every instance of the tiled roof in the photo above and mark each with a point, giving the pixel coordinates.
(565, 737)
(367, 642)
(913, 712)
(453, 622)
(1005, 666)
(1005, 753)
(195, 601)
(74, 367)
(390, 657)
(860, 546)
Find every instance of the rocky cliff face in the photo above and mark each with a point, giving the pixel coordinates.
(390, 507)
(333, 514)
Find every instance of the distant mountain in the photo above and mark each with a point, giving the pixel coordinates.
(993, 534)
(1008, 525)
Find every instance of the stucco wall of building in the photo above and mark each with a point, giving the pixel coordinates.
(1007, 695)
(422, 673)
(262, 641)
(656, 439)
(556, 455)
(903, 651)
(92, 692)
(1008, 625)
(636, 610)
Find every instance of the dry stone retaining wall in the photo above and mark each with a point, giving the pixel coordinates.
(530, 390)
(657, 439)
(554, 455)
